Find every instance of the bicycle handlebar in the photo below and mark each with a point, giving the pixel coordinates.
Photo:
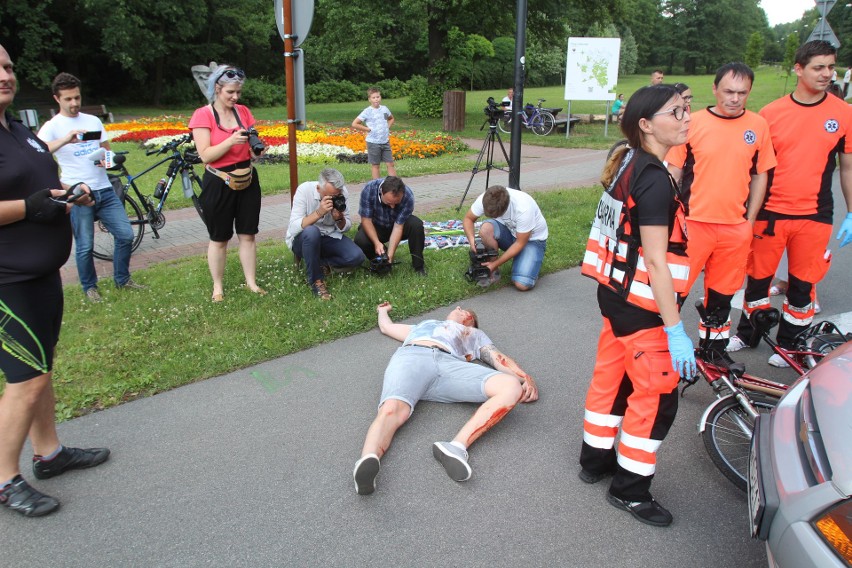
(170, 145)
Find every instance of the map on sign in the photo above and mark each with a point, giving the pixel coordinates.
(592, 69)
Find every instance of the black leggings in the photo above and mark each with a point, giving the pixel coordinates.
(30, 320)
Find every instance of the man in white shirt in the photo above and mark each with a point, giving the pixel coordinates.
(317, 224)
(847, 78)
(516, 226)
(65, 136)
(435, 363)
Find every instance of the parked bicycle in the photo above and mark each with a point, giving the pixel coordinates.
(727, 424)
(144, 210)
(535, 118)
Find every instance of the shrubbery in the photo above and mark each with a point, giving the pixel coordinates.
(260, 93)
(425, 100)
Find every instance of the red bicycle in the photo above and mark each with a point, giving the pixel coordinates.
(727, 424)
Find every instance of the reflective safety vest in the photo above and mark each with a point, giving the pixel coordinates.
(613, 252)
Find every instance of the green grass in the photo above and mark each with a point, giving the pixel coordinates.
(171, 334)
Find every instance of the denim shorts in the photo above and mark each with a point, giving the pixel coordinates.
(424, 373)
(378, 153)
(525, 266)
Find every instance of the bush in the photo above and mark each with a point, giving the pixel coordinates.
(391, 88)
(425, 100)
(259, 93)
(334, 92)
(181, 94)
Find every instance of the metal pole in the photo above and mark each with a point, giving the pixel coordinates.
(290, 86)
(518, 102)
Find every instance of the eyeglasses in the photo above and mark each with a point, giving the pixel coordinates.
(233, 75)
(687, 99)
(677, 111)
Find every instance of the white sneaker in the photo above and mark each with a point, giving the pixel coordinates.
(735, 344)
(453, 459)
(365, 472)
(778, 361)
(817, 308)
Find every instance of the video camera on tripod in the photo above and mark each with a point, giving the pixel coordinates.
(495, 111)
(477, 271)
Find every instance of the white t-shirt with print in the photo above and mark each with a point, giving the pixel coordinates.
(462, 341)
(376, 119)
(73, 158)
(522, 216)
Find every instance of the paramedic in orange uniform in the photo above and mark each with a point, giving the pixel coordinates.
(636, 252)
(809, 128)
(722, 168)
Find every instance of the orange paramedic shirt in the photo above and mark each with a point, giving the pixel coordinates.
(719, 158)
(807, 139)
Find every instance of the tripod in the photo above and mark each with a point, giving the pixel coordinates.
(487, 150)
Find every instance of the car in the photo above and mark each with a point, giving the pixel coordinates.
(800, 469)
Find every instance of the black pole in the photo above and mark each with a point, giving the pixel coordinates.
(518, 101)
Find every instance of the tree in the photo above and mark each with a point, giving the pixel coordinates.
(629, 56)
(754, 50)
(476, 49)
(790, 53)
(36, 35)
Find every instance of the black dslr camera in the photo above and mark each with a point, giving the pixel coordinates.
(477, 272)
(381, 265)
(494, 111)
(339, 202)
(254, 141)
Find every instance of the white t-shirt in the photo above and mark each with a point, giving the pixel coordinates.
(74, 158)
(376, 119)
(522, 216)
(847, 77)
(462, 341)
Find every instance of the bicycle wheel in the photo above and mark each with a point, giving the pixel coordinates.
(197, 203)
(822, 344)
(727, 436)
(543, 124)
(615, 147)
(104, 243)
(505, 123)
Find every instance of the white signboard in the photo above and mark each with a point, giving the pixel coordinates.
(592, 70)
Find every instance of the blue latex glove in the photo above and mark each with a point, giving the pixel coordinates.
(681, 350)
(845, 229)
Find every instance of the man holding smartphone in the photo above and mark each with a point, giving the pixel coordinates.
(72, 136)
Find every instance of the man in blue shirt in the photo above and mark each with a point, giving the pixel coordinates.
(386, 210)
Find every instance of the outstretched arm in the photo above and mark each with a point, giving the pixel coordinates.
(398, 331)
(494, 358)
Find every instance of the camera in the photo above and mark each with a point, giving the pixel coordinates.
(381, 265)
(339, 202)
(494, 110)
(477, 271)
(254, 141)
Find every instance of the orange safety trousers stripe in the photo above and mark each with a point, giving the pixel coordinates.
(643, 359)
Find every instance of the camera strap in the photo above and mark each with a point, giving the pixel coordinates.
(236, 116)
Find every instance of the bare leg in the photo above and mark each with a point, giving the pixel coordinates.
(392, 414)
(486, 233)
(248, 259)
(376, 169)
(217, 252)
(391, 169)
(21, 406)
(503, 392)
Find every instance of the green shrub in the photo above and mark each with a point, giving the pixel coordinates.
(181, 94)
(425, 100)
(259, 93)
(334, 92)
(391, 88)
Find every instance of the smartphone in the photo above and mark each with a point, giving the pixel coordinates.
(93, 135)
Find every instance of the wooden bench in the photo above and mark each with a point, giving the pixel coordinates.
(98, 110)
(563, 123)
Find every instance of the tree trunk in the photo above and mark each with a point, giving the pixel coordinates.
(454, 102)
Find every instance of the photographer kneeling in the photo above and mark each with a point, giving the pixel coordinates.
(318, 218)
(516, 226)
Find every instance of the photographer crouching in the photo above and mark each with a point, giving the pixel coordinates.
(318, 218)
(516, 226)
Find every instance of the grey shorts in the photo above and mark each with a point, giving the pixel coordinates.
(423, 373)
(378, 153)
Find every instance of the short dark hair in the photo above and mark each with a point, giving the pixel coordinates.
(495, 201)
(681, 87)
(735, 68)
(373, 90)
(64, 82)
(392, 184)
(811, 49)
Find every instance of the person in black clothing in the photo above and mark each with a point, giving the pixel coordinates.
(35, 241)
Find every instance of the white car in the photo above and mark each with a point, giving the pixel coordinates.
(800, 473)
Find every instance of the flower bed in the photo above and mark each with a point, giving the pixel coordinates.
(315, 145)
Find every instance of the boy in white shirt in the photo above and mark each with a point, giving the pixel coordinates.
(376, 120)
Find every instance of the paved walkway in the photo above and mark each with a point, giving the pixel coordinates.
(542, 169)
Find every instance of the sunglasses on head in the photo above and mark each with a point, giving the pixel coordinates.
(233, 74)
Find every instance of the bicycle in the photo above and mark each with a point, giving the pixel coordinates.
(144, 210)
(539, 120)
(727, 424)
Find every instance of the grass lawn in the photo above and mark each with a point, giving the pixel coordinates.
(139, 343)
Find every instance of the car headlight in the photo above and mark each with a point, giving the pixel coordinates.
(835, 526)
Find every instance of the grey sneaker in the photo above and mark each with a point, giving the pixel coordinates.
(453, 459)
(365, 472)
(131, 285)
(93, 295)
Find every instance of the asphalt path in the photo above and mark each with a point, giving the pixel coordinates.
(254, 468)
